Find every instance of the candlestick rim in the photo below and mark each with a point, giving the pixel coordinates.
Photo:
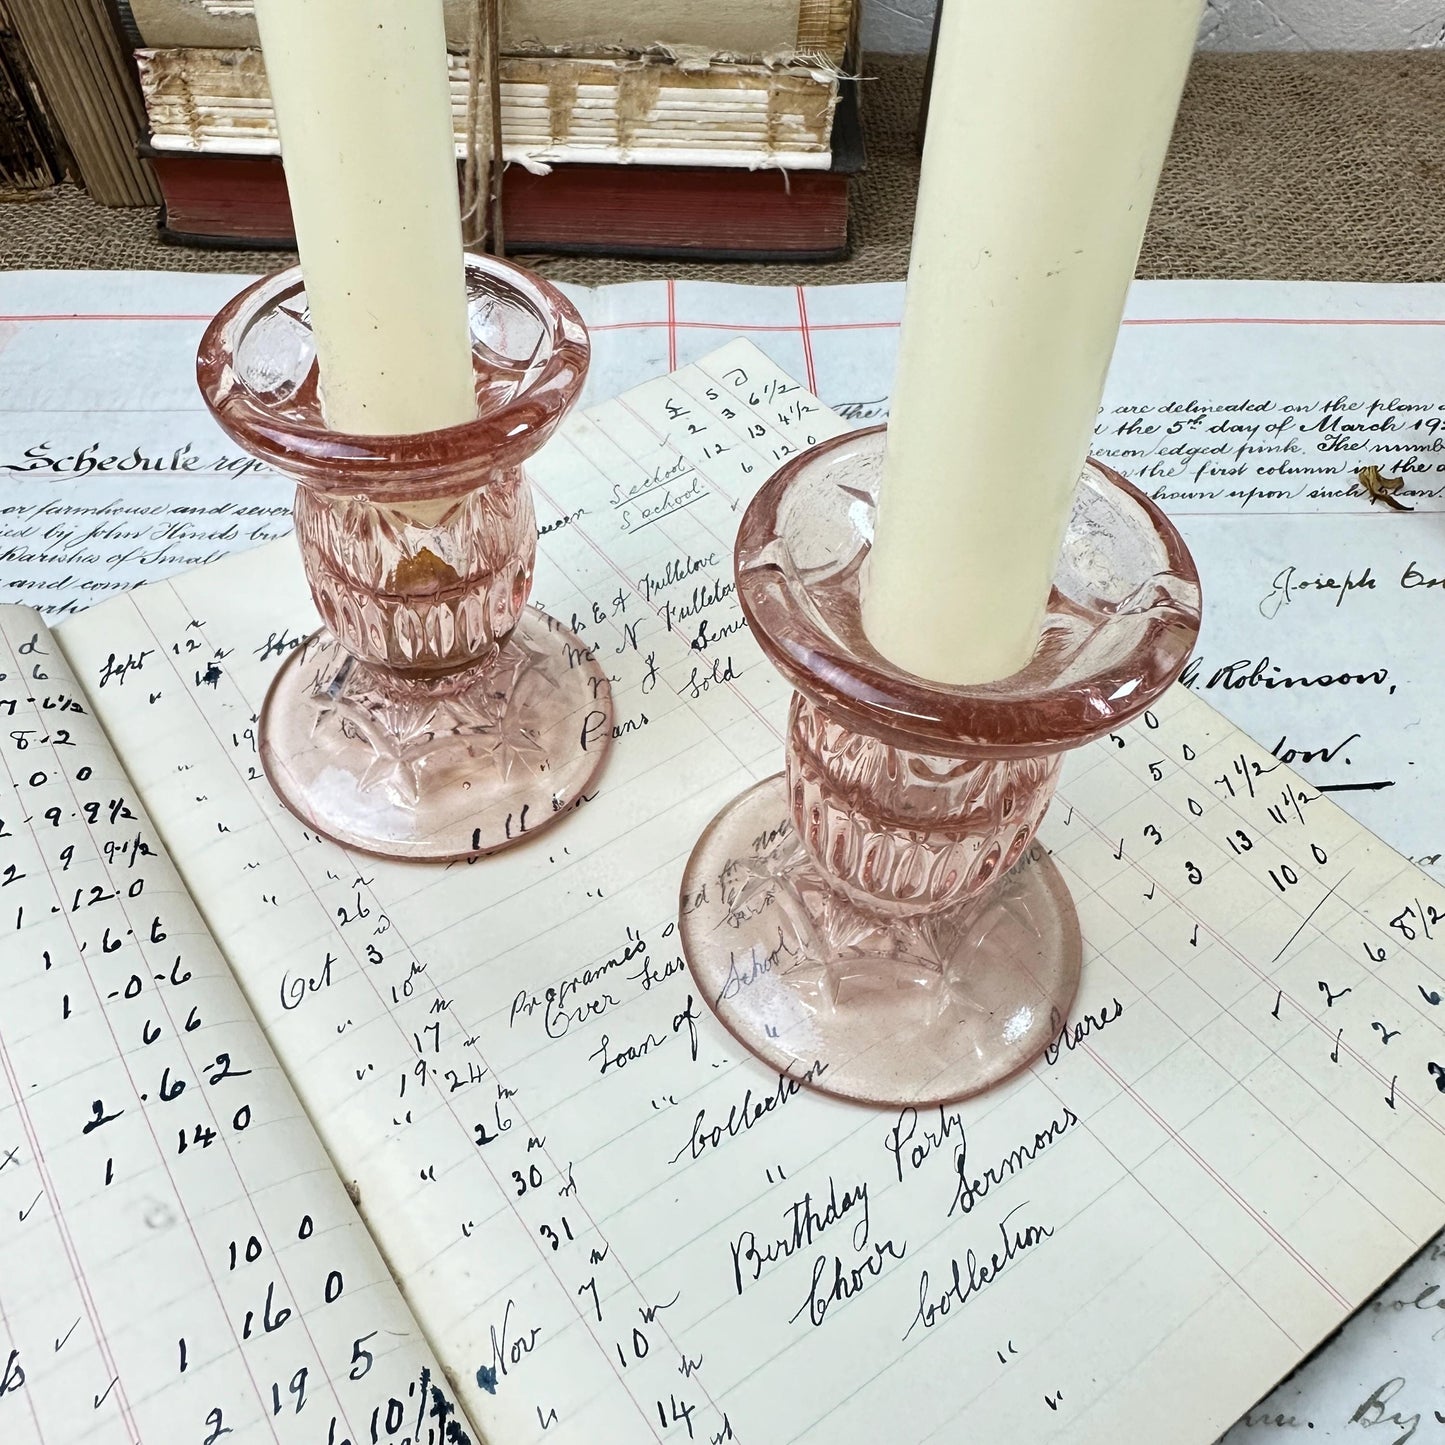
(810, 627)
(286, 432)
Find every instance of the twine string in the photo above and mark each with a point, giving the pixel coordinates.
(482, 171)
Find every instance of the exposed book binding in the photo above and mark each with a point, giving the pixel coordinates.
(29, 156)
(688, 212)
(91, 94)
(644, 111)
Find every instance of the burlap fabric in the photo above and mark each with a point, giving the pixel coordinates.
(1314, 166)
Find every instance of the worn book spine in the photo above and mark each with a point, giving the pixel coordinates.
(775, 30)
(554, 109)
(30, 158)
(90, 89)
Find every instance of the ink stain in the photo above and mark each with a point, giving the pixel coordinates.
(487, 1379)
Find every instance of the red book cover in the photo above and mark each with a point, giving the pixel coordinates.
(690, 212)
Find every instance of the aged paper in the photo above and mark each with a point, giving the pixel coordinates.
(106, 359)
(612, 1225)
(178, 1260)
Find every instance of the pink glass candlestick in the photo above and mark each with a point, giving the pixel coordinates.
(435, 715)
(881, 907)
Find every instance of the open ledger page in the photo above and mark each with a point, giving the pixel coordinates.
(179, 1262)
(614, 1227)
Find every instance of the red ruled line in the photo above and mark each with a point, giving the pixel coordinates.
(674, 323)
(1283, 321)
(1208, 1169)
(807, 342)
(67, 1245)
(109, 316)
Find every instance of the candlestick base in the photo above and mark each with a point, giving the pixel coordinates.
(879, 920)
(914, 1010)
(435, 716)
(493, 757)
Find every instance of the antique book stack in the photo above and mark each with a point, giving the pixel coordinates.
(29, 155)
(667, 129)
(69, 102)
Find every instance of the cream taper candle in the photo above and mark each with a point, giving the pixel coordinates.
(363, 106)
(1047, 130)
